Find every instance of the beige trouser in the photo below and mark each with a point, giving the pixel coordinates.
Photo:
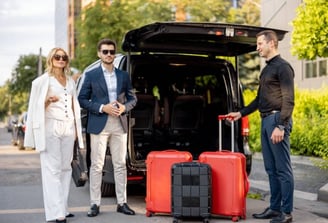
(56, 167)
(114, 134)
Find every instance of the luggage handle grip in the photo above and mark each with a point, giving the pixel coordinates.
(230, 118)
(224, 117)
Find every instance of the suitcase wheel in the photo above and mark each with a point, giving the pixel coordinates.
(235, 218)
(149, 213)
(206, 220)
(175, 220)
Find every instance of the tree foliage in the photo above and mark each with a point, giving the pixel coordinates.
(310, 34)
(310, 114)
(113, 21)
(248, 13)
(11, 103)
(15, 92)
(4, 101)
(249, 72)
(208, 10)
(24, 73)
(249, 64)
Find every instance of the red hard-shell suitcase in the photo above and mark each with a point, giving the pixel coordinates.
(229, 179)
(159, 164)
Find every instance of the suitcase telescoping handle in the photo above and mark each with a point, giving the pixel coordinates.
(224, 117)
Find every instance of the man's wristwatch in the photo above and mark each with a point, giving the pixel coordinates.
(281, 127)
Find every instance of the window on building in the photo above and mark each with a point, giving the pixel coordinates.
(323, 68)
(316, 68)
(310, 69)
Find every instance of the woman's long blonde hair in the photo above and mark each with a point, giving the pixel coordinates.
(49, 65)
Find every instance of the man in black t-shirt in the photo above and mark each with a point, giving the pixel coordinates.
(275, 101)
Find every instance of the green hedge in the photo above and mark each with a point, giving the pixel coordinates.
(310, 117)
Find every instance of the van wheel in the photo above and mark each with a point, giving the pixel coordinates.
(107, 189)
(20, 142)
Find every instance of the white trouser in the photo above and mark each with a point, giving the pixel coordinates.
(113, 132)
(56, 167)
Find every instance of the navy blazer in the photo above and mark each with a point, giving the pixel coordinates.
(94, 93)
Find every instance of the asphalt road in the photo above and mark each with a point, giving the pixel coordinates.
(21, 196)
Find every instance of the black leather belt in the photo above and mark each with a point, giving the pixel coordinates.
(266, 114)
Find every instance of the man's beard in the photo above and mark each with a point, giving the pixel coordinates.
(107, 63)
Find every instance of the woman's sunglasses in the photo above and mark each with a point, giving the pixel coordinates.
(57, 57)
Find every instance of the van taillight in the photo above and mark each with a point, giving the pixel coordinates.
(244, 126)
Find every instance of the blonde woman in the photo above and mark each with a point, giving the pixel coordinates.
(53, 123)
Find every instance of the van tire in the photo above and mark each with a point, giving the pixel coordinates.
(20, 142)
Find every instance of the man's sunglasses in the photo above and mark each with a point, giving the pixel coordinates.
(57, 57)
(105, 52)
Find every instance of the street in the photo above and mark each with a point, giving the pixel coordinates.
(21, 196)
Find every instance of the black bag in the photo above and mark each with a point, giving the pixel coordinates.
(79, 167)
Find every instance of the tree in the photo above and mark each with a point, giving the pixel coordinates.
(247, 13)
(249, 64)
(24, 73)
(22, 76)
(113, 21)
(208, 10)
(5, 101)
(310, 35)
(11, 103)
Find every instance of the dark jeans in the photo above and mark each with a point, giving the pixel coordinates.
(278, 166)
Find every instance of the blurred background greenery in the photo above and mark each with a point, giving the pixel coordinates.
(309, 135)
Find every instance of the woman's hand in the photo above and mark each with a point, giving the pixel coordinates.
(50, 100)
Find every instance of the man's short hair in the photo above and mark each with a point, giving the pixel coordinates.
(106, 42)
(268, 36)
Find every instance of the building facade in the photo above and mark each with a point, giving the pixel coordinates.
(61, 19)
(279, 14)
(66, 13)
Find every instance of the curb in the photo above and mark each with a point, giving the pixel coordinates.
(305, 160)
(323, 193)
(264, 186)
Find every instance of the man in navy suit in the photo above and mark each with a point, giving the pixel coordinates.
(107, 95)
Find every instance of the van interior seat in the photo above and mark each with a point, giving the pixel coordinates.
(146, 112)
(186, 115)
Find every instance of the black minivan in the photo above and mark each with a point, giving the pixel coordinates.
(183, 81)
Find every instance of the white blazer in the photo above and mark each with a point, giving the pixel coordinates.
(35, 136)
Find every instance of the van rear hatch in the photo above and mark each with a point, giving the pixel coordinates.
(195, 38)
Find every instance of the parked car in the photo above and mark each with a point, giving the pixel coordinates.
(182, 84)
(18, 131)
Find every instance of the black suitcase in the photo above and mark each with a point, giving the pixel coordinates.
(191, 191)
(79, 168)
